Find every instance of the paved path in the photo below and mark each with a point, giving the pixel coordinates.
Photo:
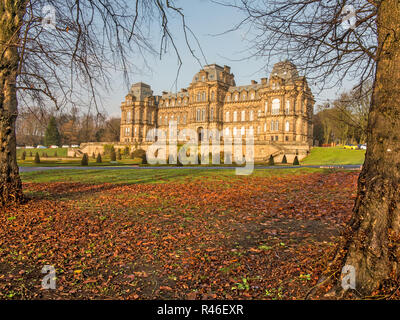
(32, 169)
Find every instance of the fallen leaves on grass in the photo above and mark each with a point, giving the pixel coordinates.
(243, 238)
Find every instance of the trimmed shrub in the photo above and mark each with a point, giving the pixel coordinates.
(113, 155)
(85, 160)
(140, 153)
(23, 156)
(30, 154)
(296, 161)
(55, 154)
(271, 161)
(93, 156)
(119, 156)
(37, 158)
(98, 159)
(132, 156)
(126, 151)
(284, 160)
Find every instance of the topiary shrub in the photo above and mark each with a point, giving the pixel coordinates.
(119, 156)
(271, 161)
(23, 156)
(85, 160)
(113, 155)
(126, 151)
(296, 161)
(30, 154)
(93, 156)
(37, 158)
(284, 160)
(98, 159)
(141, 154)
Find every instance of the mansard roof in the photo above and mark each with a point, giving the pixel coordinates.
(141, 91)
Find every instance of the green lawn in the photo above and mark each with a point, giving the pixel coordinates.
(335, 155)
(123, 176)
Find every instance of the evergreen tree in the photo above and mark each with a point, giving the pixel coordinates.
(113, 155)
(119, 156)
(93, 156)
(296, 161)
(99, 160)
(284, 160)
(52, 135)
(23, 156)
(271, 161)
(37, 158)
(85, 160)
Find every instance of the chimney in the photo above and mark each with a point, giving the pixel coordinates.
(264, 81)
(227, 69)
(254, 82)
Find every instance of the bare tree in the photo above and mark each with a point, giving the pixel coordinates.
(62, 52)
(321, 37)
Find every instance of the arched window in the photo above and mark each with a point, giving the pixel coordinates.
(228, 97)
(259, 113)
(276, 125)
(234, 131)
(287, 106)
(203, 114)
(227, 132)
(128, 116)
(203, 96)
(227, 119)
(251, 131)
(251, 115)
(236, 97)
(212, 96)
(243, 115)
(242, 131)
(198, 97)
(276, 105)
(166, 120)
(212, 114)
(235, 116)
(252, 96)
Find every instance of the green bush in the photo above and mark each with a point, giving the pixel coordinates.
(126, 151)
(30, 154)
(55, 154)
(98, 159)
(113, 155)
(132, 156)
(85, 160)
(119, 156)
(37, 158)
(140, 153)
(93, 156)
(284, 160)
(23, 156)
(271, 161)
(107, 149)
(296, 161)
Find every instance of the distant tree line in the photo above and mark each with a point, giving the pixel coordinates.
(344, 120)
(37, 126)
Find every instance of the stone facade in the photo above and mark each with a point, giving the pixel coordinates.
(278, 110)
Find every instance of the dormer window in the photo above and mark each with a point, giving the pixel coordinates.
(203, 78)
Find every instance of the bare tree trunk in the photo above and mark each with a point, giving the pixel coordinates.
(11, 13)
(372, 247)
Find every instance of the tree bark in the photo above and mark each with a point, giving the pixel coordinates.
(372, 247)
(11, 14)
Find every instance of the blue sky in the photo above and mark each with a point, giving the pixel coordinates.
(206, 19)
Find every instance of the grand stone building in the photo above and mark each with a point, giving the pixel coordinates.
(278, 110)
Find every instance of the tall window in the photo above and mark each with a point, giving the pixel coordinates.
(227, 116)
(203, 96)
(235, 116)
(198, 97)
(212, 96)
(252, 96)
(251, 115)
(251, 131)
(259, 113)
(287, 126)
(227, 132)
(228, 97)
(276, 125)
(128, 116)
(173, 103)
(242, 131)
(203, 114)
(178, 118)
(234, 131)
(243, 115)
(236, 97)
(184, 119)
(212, 114)
(166, 120)
(265, 127)
(287, 106)
(272, 125)
(266, 107)
(198, 115)
(276, 105)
